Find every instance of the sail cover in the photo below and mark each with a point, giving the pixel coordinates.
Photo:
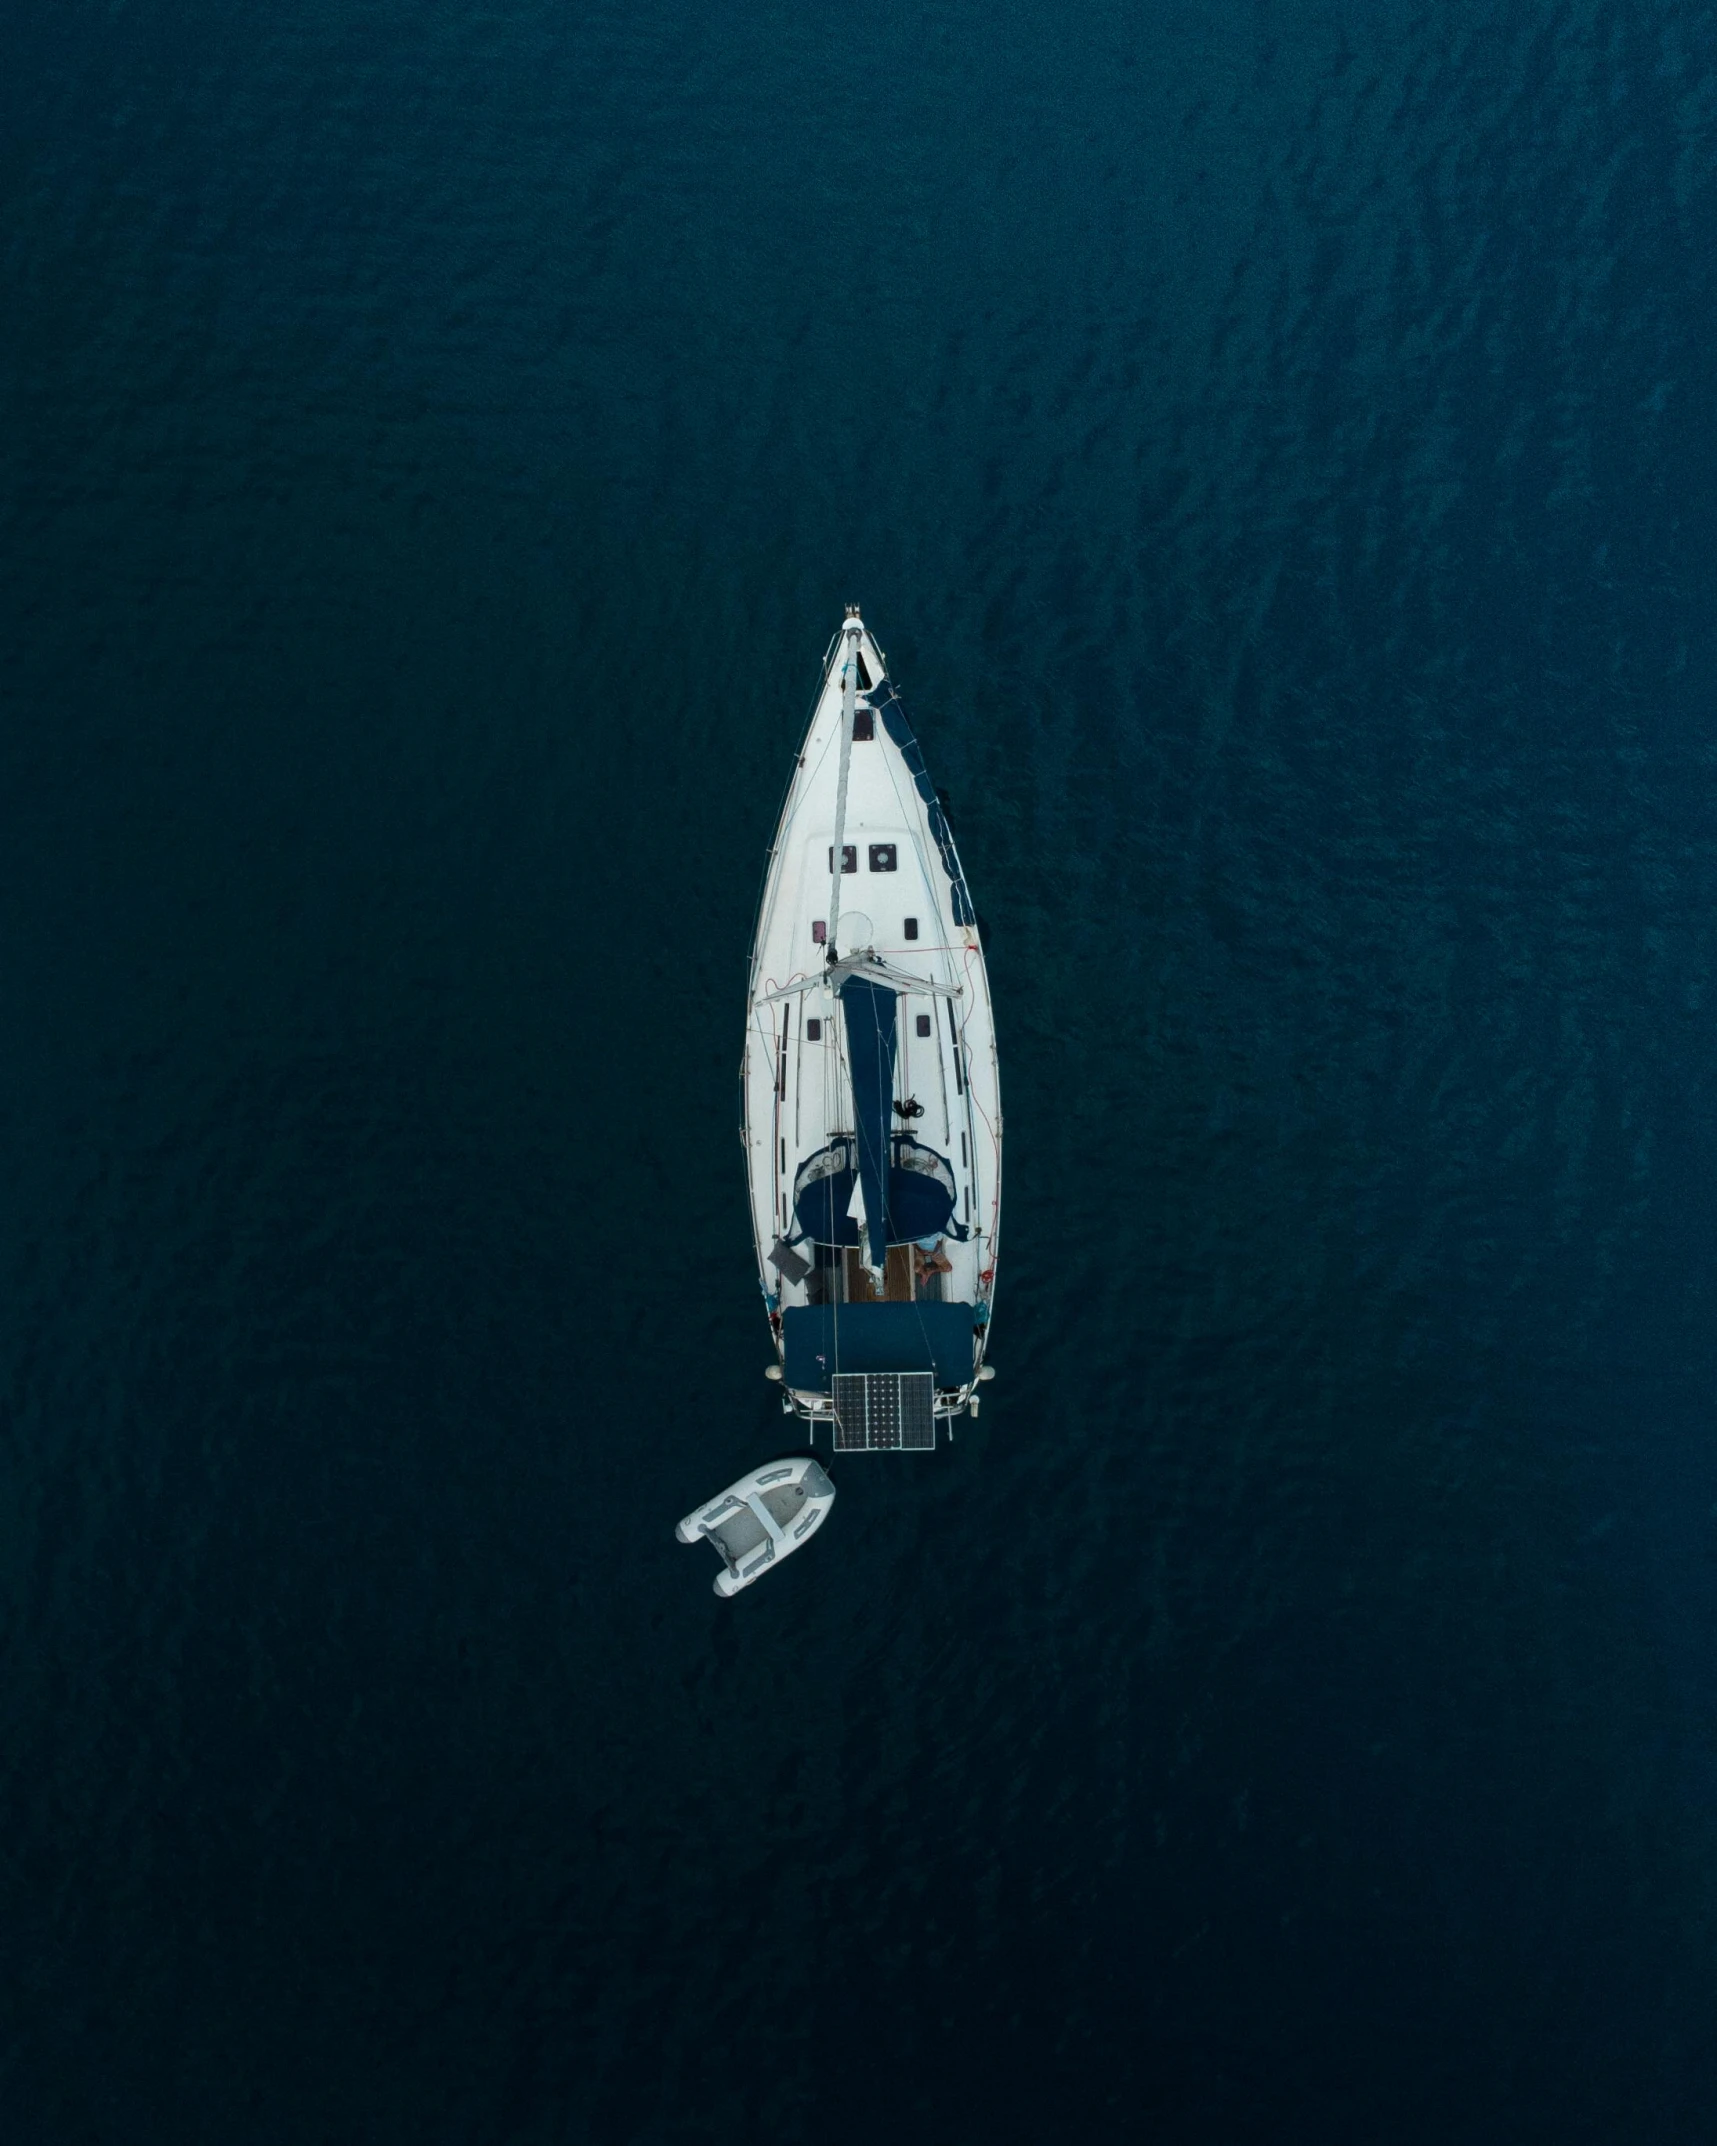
(886, 702)
(871, 1043)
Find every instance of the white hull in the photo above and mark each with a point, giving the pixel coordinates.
(754, 1523)
(905, 902)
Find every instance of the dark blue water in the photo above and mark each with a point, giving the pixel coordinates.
(1276, 446)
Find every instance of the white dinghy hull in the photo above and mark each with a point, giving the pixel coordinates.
(872, 1106)
(764, 1517)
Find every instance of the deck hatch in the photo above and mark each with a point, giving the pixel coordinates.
(884, 1412)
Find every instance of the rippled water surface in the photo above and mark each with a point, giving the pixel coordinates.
(1276, 447)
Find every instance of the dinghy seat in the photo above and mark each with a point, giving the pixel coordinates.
(739, 1534)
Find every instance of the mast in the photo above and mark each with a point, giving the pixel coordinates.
(849, 686)
(870, 1175)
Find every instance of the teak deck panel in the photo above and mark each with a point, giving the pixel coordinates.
(896, 1278)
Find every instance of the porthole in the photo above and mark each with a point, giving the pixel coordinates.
(814, 1030)
(912, 927)
(923, 1024)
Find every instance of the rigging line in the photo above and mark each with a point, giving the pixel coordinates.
(918, 807)
(835, 1275)
(813, 768)
(969, 1014)
(887, 1156)
(974, 1104)
(918, 1314)
(810, 725)
(803, 775)
(892, 762)
(774, 1135)
(958, 1024)
(927, 872)
(838, 855)
(851, 634)
(923, 1335)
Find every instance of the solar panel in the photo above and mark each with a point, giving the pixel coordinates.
(917, 1412)
(885, 1412)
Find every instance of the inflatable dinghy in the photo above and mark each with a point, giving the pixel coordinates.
(761, 1519)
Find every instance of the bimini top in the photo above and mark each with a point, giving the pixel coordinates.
(819, 1340)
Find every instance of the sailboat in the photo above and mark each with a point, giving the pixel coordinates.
(872, 1103)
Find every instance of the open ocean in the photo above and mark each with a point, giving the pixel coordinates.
(1277, 447)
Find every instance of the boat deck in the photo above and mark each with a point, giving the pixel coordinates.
(903, 903)
(853, 1283)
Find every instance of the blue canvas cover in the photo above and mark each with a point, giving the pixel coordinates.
(871, 1044)
(920, 1195)
(820, 1339)
(886, 702)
